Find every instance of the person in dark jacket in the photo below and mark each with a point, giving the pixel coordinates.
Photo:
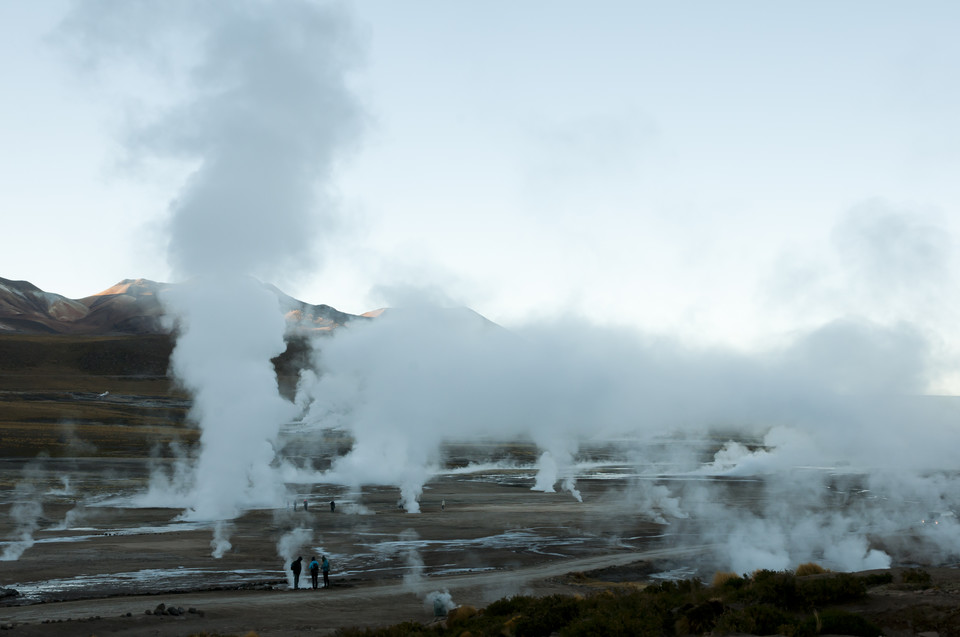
(314, 571)
(295, 567)
(325, 565)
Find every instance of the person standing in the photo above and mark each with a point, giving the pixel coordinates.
(326, 571)
(295, 567)
(304, 504)
(314, 571)
(333, 506)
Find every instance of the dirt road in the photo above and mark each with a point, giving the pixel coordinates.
(305, 612)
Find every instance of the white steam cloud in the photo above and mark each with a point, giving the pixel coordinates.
(26, 512)
(261, 110)
(290, 546)
(844, 396)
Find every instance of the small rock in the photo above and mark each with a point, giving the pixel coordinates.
(159, 609)
(192, 610)
(148, 612)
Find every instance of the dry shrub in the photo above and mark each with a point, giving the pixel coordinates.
(460, 614)
(810, 568)
(722, 577)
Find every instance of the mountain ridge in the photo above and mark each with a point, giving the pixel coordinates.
(131, 306)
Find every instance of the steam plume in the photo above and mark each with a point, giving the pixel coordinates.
(26, 513)
(262, 110)
(290, 546)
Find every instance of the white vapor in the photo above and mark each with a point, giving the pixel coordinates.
(26, 512)
(842, 395)
(290, 546)
(261, 111)
(259, 115)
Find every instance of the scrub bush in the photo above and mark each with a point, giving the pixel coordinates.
(877, 579)
(810, 568)
(763, 619)
(839, 622)
(834, 589)
(727, 581)
(916, 576)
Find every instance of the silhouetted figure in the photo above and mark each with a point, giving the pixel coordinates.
(304, 504)
(333, 506)
(443, 504)
(326, 571)
(294, 505)
(314, 571)
(295, 567)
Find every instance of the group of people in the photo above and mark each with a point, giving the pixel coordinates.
(333, 505)
(315, 568)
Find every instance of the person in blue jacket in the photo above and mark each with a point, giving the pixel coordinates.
(314, 571)
(325, 565)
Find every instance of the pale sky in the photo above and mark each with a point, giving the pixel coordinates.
(725, 171)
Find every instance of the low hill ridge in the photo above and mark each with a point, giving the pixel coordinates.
(131, 306)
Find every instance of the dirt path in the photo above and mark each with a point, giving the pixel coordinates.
(304, 612)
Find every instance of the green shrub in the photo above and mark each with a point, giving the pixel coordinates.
(916, 576)
(762, 619)
(398, 630)
(700, 618)
(835, 589)
(547, 615)
(877, 579)
(509, 605)
(840, 622)
(774, 587)
(615, 624)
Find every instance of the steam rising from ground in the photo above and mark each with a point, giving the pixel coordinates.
(839, 396)
(265, 113)
(414, 579)
(265, 110)
(290, 546)
(26, 512)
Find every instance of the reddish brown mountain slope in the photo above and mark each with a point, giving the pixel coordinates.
(132, 306)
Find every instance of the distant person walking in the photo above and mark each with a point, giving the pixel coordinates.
(326, 571)
(314, 571)
(295, 567)
(304, 504)
(333, 506)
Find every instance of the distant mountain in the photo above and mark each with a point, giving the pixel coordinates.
(131, 306)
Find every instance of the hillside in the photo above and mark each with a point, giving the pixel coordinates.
(79, 395)
(132, 306)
